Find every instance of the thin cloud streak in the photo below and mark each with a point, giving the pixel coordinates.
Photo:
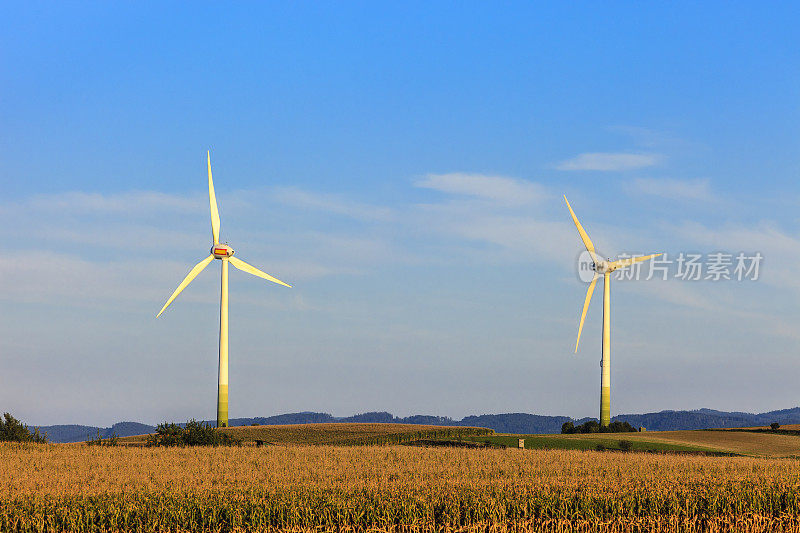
(606, 162)
(127, 202)
(332, 203)
(500, 189)
(672, 189)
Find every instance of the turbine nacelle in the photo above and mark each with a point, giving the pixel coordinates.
(221, 251)
(603, 267)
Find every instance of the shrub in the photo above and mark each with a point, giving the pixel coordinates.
(193, 434)
(592, 426)
(625, 445)
(12, 430)
(113, 440)
(619, 427)
(774, 426)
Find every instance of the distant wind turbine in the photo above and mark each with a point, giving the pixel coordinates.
(602, 268)
(224, 253)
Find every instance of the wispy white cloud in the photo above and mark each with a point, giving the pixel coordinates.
(51, 277)
(607, 161)
(672, 189)
(682, 294)
(500, 189)
(64, 279)
(513, 237)
(126, 202)
(780, 250)
(332, 203)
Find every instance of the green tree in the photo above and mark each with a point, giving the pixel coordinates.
(592, 426)
(619, 427)
(193, 434)
(12, 430)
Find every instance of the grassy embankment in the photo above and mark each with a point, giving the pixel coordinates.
(749, 443)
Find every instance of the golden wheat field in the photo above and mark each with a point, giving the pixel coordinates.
(389, 488)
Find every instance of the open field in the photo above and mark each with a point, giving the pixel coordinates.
(389, 488)
(337, 434)
(725, 442)
(789, 427)
(590, 442)
(740, 442)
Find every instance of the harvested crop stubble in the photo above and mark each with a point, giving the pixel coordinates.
(390, 488)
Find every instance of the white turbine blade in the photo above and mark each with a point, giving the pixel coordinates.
(250, 269)
(589, 292)
(189, 277)
(584, 236)
(622, 263)
(212, 199)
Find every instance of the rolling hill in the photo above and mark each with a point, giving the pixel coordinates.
(523, 423)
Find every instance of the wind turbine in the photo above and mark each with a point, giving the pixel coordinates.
(224, 253)
(603, 268)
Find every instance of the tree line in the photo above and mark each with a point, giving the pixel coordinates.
(592, 426)
(12, 430)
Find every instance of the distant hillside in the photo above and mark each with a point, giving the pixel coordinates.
(708, 418)
(505, 423)
(75, 433)
(502, 423)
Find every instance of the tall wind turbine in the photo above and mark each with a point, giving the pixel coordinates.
(224, 253)
(603, 268)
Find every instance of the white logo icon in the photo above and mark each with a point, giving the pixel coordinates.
(585, 267)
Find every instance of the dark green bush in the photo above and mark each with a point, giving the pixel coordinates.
(12, 430)
(193, 434)
(592, 426)
(619, 427)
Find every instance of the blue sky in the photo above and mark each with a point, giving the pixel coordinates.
(402, 166)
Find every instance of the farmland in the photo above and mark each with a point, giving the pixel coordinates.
(712, 442)
(338, 434)
(745, 441)
(389, 488)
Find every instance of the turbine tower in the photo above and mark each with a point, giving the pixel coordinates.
(224, 253)
(603, 268)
